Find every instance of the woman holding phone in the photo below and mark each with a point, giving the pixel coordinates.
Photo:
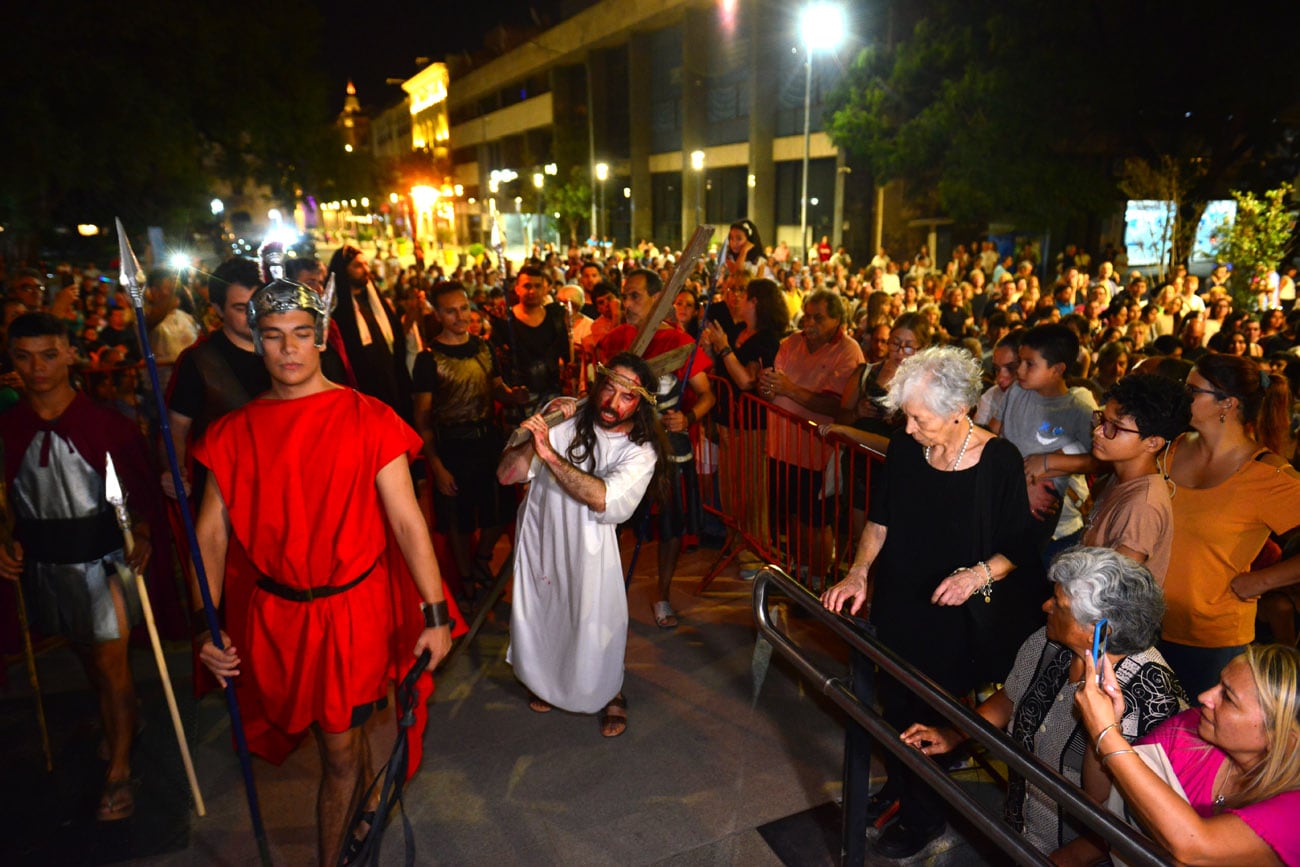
(1236, 758)
(1092, 585)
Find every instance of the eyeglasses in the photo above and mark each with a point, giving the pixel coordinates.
(905, 348)
(1193, 390)
(1109, 429)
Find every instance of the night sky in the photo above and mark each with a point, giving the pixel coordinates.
(369, 43)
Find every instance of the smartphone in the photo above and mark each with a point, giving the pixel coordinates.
(1100, 641)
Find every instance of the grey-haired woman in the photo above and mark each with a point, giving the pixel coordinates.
(957, 581)
(1037, 703)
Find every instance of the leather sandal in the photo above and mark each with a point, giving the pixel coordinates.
(613, 719)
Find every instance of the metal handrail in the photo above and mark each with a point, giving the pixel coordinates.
(1135, 849)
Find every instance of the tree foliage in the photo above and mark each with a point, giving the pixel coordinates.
(136, 109)
(1012, 109)
(572, 201)
(1257, 241)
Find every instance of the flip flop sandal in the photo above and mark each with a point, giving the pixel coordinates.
(481, 574)
(664, 616)
(117, 802)
(614, 715)
(538, 705)
(357, 844)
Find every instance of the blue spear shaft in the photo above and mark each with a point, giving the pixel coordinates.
(131, 280)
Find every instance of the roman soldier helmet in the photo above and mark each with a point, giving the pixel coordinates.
(278, 294)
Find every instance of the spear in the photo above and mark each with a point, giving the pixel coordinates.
(29, 654)
(117, 499)
(132, 279)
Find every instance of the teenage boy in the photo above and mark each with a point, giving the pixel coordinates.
(66, 549)
(1047, 421)
(1132, 512)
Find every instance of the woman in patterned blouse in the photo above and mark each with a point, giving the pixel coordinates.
(1036, 706)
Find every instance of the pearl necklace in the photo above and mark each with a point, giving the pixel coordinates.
(970, 429)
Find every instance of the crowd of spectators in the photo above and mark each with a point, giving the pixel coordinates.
(1152, 418)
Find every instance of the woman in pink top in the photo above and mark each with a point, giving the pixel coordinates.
(1237, 758)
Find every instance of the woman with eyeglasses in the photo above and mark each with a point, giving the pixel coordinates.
(1231, 493)
(1131, 511)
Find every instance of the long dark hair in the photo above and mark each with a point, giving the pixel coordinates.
(1263, 401)
(646, 427)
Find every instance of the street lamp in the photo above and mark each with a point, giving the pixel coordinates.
(821, 25)
(539, 180)
(602, 175)
(697, 163)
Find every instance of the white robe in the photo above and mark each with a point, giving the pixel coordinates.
(568, 624)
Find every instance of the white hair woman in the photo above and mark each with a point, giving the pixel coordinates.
(1236, 758)
(1036, 704)
(957, 581)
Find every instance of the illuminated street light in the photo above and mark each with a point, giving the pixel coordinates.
(697, 163)
(602, 175)
(217, 206)
(551, 169)
(392, 198)
(347, 148)
(821, 26)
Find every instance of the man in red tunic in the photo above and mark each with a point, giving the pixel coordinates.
(311, 527)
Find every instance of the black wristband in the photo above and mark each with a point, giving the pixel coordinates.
(199, 619)
(724, 352)
(436, 614)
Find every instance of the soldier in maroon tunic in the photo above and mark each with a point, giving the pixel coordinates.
(67, 548)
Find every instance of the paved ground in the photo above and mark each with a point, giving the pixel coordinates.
(699, 771)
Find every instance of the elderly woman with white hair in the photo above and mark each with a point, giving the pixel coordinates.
(1036, 706)
(946, 568)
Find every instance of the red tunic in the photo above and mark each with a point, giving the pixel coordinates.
(298, 479)
(664, 340)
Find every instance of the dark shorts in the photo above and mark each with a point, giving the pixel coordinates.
(480, 501)
(683, 485)
(798, 491)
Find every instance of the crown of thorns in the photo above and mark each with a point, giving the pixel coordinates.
(624, 381)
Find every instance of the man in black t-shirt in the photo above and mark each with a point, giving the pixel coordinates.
(532, 344)
(218, 374)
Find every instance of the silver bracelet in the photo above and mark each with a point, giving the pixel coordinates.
(987, 590)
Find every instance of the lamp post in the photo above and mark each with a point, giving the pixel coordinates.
(821, 25)
(538, 180)
(602, 175)
(697, 163)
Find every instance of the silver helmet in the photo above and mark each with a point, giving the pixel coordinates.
(281, 295)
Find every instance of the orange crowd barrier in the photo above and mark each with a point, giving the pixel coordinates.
(787, 494)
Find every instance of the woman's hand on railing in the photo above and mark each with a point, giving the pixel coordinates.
(853, 589)
(930, 740)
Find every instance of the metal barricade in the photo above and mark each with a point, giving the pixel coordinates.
(1134, 848)
(787, 494)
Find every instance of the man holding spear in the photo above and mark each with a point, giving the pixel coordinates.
(310, 530)
(67, 544)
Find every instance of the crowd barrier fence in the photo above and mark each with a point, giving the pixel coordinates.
(785, 492)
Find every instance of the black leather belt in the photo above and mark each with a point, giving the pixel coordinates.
(467, 431)
(296, 594)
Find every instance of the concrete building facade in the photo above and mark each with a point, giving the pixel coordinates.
(641, 85)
